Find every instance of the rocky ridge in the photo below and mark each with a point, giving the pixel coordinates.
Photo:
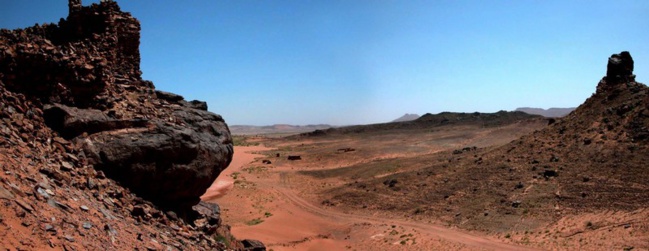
(93, 157)
(428, 121)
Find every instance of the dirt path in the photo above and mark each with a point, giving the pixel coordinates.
(297, 224)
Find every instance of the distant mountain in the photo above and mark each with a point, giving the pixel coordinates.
(406, 117)
(274, 129)
(550, 113)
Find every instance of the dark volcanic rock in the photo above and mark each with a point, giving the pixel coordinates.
(171, 97)
(167, 164)
(253, 245)
(196, 104)
(620, 68)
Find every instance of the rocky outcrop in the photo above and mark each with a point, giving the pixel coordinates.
(620, 68)
(79, 125)
(84, 74)
(53, 198)
(83, 61)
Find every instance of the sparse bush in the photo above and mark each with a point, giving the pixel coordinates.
(254, 221)
(238, 140)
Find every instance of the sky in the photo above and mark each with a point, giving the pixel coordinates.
(344, 62)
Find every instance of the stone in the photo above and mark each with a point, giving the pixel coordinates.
(71, 121)
(63, 206)
(154, 245)
(172, 215)
(550, 173)
(24, 205)
(253, 245)
(170, 97)
(49, 228)
(66, 166)
(390, 182)
(138, 211)
(519, 185)
(5, 194)
(208, 211)
(90, 183)
(16, 190)
(156, 163)
(199, 105)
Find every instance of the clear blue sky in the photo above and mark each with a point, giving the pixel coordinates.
(262, 62)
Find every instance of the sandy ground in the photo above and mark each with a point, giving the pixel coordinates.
(243, 155)
(272, 204)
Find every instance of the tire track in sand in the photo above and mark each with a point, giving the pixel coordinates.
(287, 191)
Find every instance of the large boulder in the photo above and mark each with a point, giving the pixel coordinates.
(168, 164)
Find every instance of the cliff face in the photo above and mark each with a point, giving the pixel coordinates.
(90, 151)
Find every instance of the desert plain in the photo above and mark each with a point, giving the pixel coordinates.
(334, 197)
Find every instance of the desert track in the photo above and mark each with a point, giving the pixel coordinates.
(287, 191)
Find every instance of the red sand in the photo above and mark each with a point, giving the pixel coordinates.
(225, 182)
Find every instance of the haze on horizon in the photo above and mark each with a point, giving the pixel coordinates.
(360, 62)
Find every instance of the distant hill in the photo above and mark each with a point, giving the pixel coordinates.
(406, 117)
(433, 120)
(274, 129)
(550, 113)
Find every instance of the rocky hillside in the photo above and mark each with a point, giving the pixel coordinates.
(93, 157)
(592, 160)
